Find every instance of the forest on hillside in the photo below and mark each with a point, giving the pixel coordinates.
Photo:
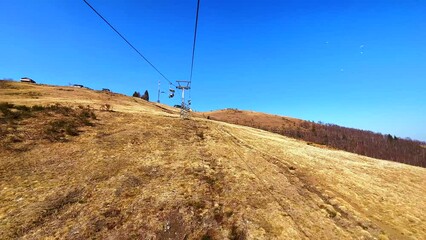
(362, 142)
(367, 143)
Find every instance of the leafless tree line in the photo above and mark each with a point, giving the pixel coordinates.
(367, 143)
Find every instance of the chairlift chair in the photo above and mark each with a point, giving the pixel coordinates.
(172, 92)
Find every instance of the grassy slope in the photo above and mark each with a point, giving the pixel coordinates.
(328, 135)
(141, 172)
(247, 118)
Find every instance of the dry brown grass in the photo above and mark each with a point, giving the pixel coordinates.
(143, 173)
(330, 136)
(249, 118)
(23, 127)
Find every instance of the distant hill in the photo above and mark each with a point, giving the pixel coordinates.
(83, 164)
(348, 139)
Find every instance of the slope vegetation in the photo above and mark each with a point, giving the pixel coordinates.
(362, 142)
(141, 172)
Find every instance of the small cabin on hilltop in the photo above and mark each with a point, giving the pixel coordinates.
(27, 80)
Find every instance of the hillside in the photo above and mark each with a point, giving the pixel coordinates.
(362, 142)
(78, 170)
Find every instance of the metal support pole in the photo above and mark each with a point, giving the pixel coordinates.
(158, 91)
(183, 98)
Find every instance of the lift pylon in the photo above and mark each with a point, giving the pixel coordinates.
(184, 109)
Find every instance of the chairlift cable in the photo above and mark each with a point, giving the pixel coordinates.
(193, 47)
(119, 34)
(195, 40)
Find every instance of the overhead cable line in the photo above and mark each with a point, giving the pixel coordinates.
(119, 34)
(195, 39)
(193, 49)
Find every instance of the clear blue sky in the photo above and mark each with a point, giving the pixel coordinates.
(359, 64)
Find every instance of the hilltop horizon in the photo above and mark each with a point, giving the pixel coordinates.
(153, 98)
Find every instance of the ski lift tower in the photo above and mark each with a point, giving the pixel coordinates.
(159, 91)
(184, 85)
